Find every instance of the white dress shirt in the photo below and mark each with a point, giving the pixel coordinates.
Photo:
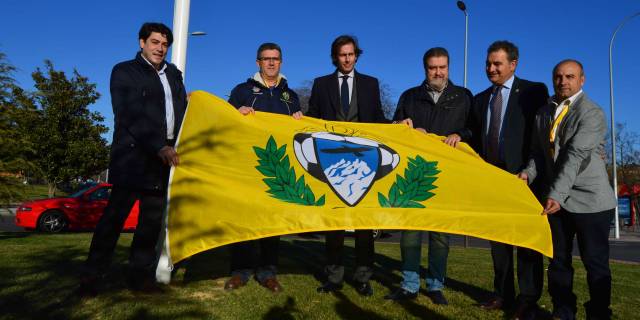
(562, 105)
(168, 99)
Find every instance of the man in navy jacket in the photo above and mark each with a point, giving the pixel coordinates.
(266, 91)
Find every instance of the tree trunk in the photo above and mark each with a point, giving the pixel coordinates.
(52, 189)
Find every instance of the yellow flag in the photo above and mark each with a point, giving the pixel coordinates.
(249, 177)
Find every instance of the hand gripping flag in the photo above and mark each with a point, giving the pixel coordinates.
(249, 177)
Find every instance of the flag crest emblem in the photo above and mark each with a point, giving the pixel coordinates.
(349, 165)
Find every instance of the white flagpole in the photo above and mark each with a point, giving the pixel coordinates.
(179, 58)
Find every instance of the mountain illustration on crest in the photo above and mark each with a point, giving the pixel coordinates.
(349, 165)
(350, 179)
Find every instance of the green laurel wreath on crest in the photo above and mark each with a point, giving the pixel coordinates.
(281, 177)
(414, 187)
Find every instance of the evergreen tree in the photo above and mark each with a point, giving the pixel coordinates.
(66, 137)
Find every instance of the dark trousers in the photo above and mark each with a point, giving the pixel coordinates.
(592, 232)
(245, 258)
(143, 257)
(530, 273)
(335, 251)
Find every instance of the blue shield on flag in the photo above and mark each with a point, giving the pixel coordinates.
(349, 165)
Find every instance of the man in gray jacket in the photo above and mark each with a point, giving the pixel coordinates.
(578, 197)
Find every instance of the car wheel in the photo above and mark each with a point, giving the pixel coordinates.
(377, 233)
(52, 222)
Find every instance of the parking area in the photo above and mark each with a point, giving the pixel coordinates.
(7, 222)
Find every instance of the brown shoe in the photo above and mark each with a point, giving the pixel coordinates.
(493, 304)
(272, 284)
(234, 282)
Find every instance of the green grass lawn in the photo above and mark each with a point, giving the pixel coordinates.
(38, 276)
(38, 191)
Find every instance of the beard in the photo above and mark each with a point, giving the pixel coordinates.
(437, 83)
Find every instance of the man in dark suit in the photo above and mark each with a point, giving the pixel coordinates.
(347, 95)
(578, 198)
(149, 102)
(502, 121)
(361, 101)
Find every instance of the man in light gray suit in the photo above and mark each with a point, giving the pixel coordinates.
(578, 197)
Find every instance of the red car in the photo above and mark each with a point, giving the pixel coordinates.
(80, 211)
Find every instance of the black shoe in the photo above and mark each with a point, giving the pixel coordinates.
(562, 314)
(146, 286)
(364, 288)
(493, 304)
(401, 295)
(437, 297)
(525, 311)
(328, 287)
(88, 287)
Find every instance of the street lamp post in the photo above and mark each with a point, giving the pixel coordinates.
(613, 127)
(463, 8)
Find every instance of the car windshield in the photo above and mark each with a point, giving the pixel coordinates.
(82, 190)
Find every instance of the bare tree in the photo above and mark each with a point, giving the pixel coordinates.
(628, 154)
(386, 94)
(304, 93)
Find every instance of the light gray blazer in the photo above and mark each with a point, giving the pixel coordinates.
(576, 176)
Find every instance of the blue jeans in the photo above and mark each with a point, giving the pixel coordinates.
(411, 247)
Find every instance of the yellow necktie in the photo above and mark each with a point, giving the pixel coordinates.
(556, 123)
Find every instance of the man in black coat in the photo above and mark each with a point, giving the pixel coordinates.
(502, 121)
(436, 106)
(149, 101)
(265, 91)
(347, 95)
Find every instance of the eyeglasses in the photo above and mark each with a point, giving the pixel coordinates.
(269, 59)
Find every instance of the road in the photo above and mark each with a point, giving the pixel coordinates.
(627, 249)
(7, 222)
(620, 250)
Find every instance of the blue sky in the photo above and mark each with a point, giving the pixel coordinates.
(92, 36)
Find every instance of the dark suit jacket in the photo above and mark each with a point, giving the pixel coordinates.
(140, 129)
(525, 99)
(324, 102)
